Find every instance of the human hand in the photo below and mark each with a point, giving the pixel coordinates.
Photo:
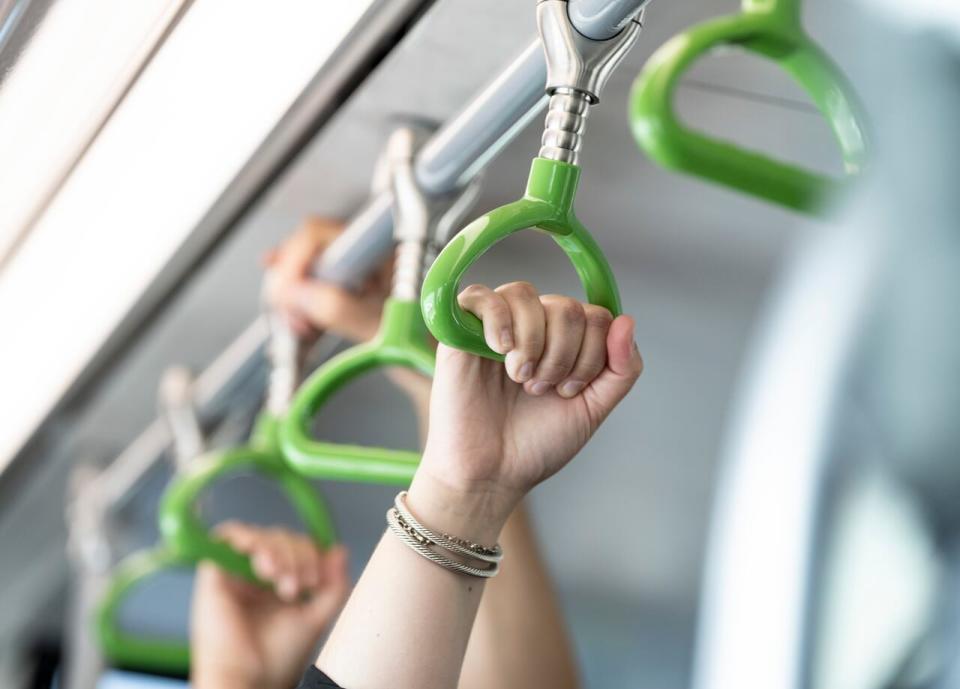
(310, 305)
(498, 429)
(243, 635)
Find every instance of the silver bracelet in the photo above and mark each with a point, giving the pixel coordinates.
(493, 555)
(419, 544)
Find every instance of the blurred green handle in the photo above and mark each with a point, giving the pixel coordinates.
(130, 651)
(547, 206)
(401, 342)
(186, 534)
(772, 29)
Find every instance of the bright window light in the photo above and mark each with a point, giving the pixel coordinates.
(208, 98)
(61, 89)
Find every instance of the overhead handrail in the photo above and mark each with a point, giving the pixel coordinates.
(122, 647)
(577, 69)
(180, 524)
(773, 29)
(136, 651)
(401, 341)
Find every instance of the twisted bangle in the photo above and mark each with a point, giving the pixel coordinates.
(419, 543)
(447, 542)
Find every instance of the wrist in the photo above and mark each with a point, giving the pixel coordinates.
(475, 513)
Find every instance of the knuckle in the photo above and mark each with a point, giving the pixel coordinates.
(598, 316)
(555, 368)
(569, 310)
(589, 369)
(520, 288)
(531, 344)
(473, 293)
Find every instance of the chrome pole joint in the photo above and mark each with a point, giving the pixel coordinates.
(422, 223)
(577, 70)
(178, 410)
(285, 353)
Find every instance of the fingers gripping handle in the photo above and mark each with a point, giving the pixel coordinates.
(190, 539)
(547, 206)
(770, 28)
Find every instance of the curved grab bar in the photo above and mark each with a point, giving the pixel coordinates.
(402, 341)
(127, 650)
(190, 538)
(547, 205)
(771, 28)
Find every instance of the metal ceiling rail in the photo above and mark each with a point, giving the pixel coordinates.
(382, 27)
(452, 156)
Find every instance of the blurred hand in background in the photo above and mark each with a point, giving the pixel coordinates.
(245, 636)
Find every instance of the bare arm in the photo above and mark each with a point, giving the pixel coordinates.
(519, 639)
(495, 432)
(407, 622)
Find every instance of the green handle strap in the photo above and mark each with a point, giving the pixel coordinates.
(402, 341)
(770, 28)
(190, 538)
(547, 206)
(123, 649)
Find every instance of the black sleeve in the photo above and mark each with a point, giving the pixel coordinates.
(314, 679)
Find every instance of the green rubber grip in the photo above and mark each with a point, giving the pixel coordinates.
(402, 341)
(124, 649)
(188, 537)
(772, 29)
(546, 206)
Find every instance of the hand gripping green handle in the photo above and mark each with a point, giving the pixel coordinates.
(402, 341)
(191, 540)
(126, 650)
(547, 206)
(771, 28)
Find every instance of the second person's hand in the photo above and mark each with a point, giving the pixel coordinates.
(244, 635)
(311, 305)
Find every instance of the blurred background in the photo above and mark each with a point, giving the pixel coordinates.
(783, 480)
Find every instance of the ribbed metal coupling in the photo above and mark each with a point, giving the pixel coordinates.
(285, 354)
(408, 270)
(563, 129)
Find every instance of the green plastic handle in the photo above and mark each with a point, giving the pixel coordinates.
(547, 206)
(190, 538)
(402, 341)
(771, 28)
(126, 650)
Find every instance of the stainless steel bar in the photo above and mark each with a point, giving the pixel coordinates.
(449, 159)
(602, 19)
(469, 139)
(125, 473)
(452, 157)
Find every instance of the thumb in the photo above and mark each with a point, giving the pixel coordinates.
(329, 307)
(624, 366)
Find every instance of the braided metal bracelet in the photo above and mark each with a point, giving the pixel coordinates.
(452, 543)
(419, 543)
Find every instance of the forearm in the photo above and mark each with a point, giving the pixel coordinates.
(408, 620)
(519, 638)
(417, 389)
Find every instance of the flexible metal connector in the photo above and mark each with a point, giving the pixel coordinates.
(285, 353)
(577, 70)
(408, 270)
(564, 126)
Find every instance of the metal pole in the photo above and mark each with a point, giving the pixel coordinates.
(469, 140)
(602, 19)
(449, 159)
